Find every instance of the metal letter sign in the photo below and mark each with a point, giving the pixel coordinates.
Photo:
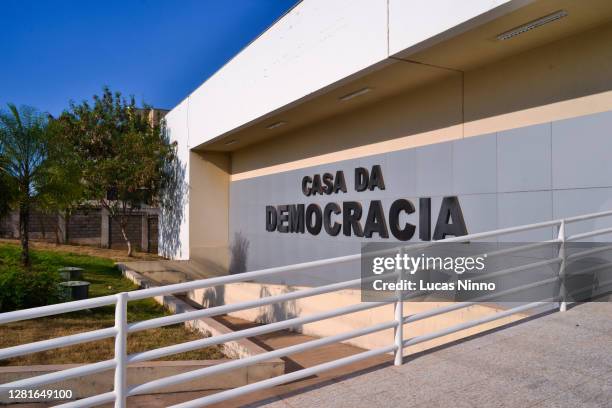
(301, 218)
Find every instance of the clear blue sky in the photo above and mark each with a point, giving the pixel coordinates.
(157, 50)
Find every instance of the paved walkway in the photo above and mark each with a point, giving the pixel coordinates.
(166, 272)
(557, 360)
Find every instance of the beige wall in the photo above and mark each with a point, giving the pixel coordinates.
(240, 292)
(430, 114)
(209, 207)
(567, 78)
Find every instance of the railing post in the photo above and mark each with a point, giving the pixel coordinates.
(562, 266)
(120, 386)
(399, 319)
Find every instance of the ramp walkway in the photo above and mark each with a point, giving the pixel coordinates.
(554, 360)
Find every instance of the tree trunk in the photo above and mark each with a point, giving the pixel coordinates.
(24, 233)
(123, 225)
(57, 229)
(42, 225)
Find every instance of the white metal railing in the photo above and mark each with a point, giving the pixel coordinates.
(122, 328)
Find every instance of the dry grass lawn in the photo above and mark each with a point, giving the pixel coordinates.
(45, 328)
(117, 255)
(105, 279)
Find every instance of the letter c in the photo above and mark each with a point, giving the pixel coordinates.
(398, 206)
(306, 189)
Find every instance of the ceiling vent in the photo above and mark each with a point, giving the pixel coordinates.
(531, 25)
(276, 125)
(355, 94)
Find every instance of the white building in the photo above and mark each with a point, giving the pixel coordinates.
(505, 105)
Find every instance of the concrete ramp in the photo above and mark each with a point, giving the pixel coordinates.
(169, 272)
(555, 360)
(560, 360)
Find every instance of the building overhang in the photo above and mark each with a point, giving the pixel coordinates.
(404, 66)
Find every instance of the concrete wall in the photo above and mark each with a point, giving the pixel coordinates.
(516, 140)
(568, 78)
(503, 179)
(241, 292)
(90, 226)
(209, 204)
(174, 225)
(413, 22)
(134, 230)
(85, 227)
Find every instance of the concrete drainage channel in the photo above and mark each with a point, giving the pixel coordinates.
(144, 372)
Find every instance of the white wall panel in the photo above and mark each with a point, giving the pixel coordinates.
(414, 21)
(585, 164)
(524, 159)
(316, 44)
(174, 225)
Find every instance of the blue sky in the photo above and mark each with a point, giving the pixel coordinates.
(157, 50)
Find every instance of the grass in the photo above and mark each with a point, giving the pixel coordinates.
(118, 255)
(105, 279)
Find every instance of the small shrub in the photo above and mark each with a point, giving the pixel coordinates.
(21, 289)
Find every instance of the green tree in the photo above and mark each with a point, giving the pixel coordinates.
(24, 150)
(63, 190)
(6, 192)
(122, 155)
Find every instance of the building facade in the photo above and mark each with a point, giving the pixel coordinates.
(373, 120)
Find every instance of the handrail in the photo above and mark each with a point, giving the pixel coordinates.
(225, 309)
(57, 342)
(244, 362)
(122, 328)
(43, 311)
(253, 331)
(285, 378)
(477, 322)
(61, 375)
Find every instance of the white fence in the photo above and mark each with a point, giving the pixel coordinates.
(122, 328)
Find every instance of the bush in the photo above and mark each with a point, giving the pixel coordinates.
(20, 289)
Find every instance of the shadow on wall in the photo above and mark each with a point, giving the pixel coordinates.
(239, 249)
(278, 312)
(583, 283)
(238, 254)
(172, 202)
(214, 296)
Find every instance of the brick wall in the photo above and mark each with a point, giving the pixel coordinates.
(42, 226)
(134, 233)
(6, 227)
(85, 224)
(153, 233)
(84, 227)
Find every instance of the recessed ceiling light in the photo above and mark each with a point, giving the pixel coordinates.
(276, 124)
(355, 94)
(531, 25)
(231, 142)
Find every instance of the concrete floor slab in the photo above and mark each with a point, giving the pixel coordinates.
(556, 360)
